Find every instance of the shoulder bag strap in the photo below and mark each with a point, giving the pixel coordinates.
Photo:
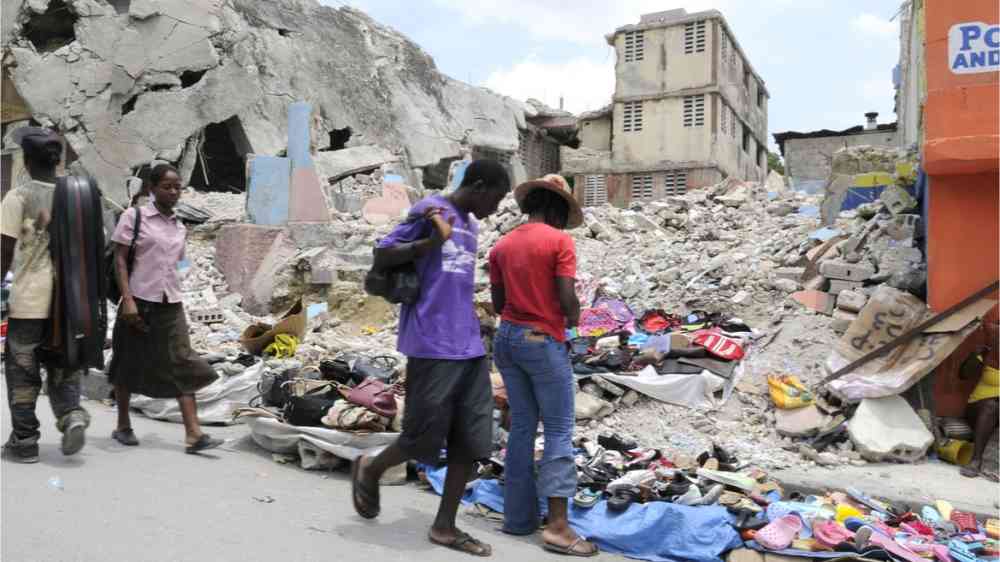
(130, 259)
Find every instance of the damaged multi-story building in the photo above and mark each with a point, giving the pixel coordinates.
(688, 111)
(205, 84)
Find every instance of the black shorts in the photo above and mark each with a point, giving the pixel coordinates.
(449, 404)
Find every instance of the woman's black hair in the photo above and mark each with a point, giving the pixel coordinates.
(550, 205)
(158, 172)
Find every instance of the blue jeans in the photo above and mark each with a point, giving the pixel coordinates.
(539, 378)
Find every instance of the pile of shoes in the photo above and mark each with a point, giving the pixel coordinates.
(625, 473)
(855, 524)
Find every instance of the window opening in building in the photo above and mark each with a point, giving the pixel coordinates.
(694, 37)
(642, 187)
(725, 47)
(746, 140)
(595, 191)
(675, 182)
(694, 111)
(634, 44)
(220, 165)
(760, 96)
(746, 79)
(632, 117)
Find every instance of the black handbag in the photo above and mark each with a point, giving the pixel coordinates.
(381, 368)
(398, 285)
(308, 410)
(111, 263)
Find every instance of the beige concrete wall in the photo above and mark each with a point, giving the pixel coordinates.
(663, 135)
(811, 159)
(731, 69)
(596, 133)
(665, 67)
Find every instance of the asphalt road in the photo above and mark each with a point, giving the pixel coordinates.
(154, 503)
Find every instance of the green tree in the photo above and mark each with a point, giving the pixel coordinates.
(774, 163)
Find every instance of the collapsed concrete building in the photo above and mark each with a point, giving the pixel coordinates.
(205, 83)
(688, 111)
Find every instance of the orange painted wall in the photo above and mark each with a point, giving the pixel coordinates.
(960, 156)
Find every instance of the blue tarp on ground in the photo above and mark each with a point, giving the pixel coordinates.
(657, 531)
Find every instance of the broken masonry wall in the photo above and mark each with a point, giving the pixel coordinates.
(812, 158)
(143, 84)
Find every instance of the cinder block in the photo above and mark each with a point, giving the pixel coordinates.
(839, 269)
(851, 301)
(837, 286)
(791, 273)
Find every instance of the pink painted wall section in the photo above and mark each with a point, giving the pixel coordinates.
(392, 205)
(306, 200)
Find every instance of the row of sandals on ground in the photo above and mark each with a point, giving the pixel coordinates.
(53, 242)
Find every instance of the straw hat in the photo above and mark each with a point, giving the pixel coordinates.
(556, 184)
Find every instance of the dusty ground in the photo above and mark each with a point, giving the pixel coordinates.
(154, 503)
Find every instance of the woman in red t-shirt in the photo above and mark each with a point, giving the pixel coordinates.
(533, 279)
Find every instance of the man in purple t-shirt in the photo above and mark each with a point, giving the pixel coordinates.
(449, 398)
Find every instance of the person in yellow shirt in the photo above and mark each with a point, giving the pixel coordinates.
(983, 412)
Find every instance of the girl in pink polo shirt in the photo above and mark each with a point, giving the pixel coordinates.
(152, 348)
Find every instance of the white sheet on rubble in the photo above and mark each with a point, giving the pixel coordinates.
(216, 402)
(684, 390)
(284, 438)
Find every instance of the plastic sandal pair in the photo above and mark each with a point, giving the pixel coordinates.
(586, 498)
(830, 533)
(779, 534)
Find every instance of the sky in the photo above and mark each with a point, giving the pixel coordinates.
(824, 62)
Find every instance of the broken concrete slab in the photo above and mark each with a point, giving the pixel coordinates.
(334, 165)
(888, 429)
(250, 257)
(800, 422)
(897, 200)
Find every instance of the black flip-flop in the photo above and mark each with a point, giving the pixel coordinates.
(125, 437)
(462, 543)
(365, 502)
(571, 549)
(204, 443)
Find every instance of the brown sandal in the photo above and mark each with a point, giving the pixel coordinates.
(572, 550)
(464, 542)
